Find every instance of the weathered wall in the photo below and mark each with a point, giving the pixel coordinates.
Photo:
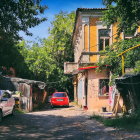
(96, 102)
(86, 37)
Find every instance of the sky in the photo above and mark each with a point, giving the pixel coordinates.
(54, 7)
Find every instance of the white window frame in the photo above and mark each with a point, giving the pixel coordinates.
(103, 39)
(99, 25)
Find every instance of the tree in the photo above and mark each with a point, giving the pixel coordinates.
(10, 56)
(132, 57)
(19, 15)
(15, 16)
(46, 59)
(125, 13)
(61, 35)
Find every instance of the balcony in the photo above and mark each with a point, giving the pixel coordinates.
(86, 59)
(70, 67)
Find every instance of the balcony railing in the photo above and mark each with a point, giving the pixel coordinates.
(84, 60)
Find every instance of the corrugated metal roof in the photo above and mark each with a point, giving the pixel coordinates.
(12, 83)
(20, 80)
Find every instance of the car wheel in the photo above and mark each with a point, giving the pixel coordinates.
(1, 116)
(67, 106)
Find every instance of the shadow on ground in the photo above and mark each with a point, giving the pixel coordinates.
(50, 126)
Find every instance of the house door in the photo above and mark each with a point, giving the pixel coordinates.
(86, 90)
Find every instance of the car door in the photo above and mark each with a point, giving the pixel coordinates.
(5, 102)
(11, 103)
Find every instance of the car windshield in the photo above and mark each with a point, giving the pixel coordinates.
(59, 95)
(1, 92)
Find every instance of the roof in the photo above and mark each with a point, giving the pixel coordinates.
(90, 9)
(12, 82)
(126, 76)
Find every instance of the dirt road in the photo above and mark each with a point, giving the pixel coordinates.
(58, 124)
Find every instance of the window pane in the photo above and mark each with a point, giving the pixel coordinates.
(59, 95)
(106, 42)
(104, 32)
(1, 92)
(104, 37)
(6, 95)
(104, 86)
(101, 44)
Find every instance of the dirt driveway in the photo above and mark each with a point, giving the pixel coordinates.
(59, 124)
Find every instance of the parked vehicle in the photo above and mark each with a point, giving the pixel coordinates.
(59, 99)
(7, 104)
(16, 95)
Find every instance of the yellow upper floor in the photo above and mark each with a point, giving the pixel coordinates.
(90, 36)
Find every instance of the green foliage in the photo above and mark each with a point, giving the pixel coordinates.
(126, 13)
(15, 16)
(131, 56)
(97, 117)
(129, 122)
(43, 60)
(46, 59)
(19, 15)
(19, 111)
(137, 67)
(11, 57)
(61, 34)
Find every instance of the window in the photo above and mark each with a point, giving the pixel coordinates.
(59, 95)
(1, 92)
(103, 87)
(104, 38)
(6, 95)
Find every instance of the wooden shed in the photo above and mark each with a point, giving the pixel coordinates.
(33, 93)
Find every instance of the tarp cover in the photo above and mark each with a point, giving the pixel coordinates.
(129, 88)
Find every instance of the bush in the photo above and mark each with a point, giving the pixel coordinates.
(128, 122)
(137, 67)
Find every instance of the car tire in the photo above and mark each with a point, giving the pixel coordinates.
(67, 106)
(1, 116)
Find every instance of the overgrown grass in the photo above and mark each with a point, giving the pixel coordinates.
(131, 122)
(19, 111)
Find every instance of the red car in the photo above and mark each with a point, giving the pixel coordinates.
(59, 99)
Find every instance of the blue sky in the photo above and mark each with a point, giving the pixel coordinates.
(54, 7)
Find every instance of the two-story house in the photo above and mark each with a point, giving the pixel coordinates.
(90, 37)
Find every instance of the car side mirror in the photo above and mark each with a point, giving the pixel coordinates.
(4, 99)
